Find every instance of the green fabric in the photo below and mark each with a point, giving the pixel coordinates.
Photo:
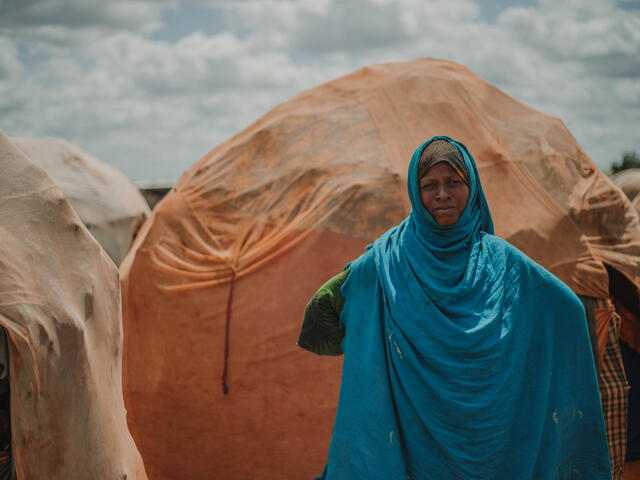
(321, 332)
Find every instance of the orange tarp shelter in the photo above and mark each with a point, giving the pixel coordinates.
(261, 221)
(60, 308)
(109, 205)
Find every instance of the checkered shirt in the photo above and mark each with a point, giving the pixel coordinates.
(614, 393)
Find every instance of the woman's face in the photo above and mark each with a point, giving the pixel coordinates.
(444, 194)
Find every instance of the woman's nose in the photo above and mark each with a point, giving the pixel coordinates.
(443, 192)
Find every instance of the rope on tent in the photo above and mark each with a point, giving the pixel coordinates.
(225, 387)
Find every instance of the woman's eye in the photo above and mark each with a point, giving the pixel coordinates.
(428, 186)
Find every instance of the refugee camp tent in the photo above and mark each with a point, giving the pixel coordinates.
(108, 203)
(216, 283)
(629, 181)
(60, 308)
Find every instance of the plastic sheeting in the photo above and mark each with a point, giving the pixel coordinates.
(108, 203)
(280, 208)
(629, 181)
(60, 305)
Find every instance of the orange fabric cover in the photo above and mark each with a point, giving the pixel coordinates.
(110, 206)
(603, 319)
(60, 306)
(285, 204)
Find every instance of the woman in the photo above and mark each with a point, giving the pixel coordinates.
(463, 357)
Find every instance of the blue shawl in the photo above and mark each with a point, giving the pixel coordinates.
(464, 359)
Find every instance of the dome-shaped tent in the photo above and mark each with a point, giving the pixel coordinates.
(629, 181)
(109, 205)
(263, 219)
(60, 307)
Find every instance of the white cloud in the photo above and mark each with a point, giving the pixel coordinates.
(352, 26)
(10, 65)
(133, 14)
(347, 26)
(152, 108)
(597, 29)
(587, 59)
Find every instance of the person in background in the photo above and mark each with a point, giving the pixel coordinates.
(463, 358)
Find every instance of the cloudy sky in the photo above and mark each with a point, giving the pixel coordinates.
(152, 85)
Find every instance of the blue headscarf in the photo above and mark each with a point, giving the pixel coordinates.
(463, 358)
